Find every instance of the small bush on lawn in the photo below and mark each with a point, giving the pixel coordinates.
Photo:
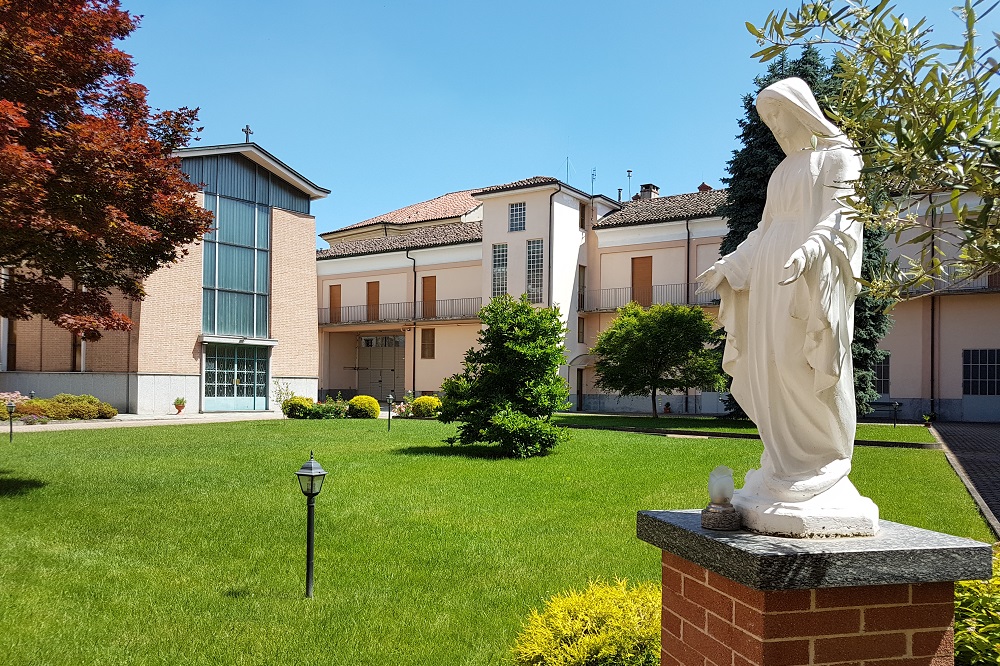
(362, 407)
(521, 436)
(426, 406)
(297, 407)
(60, 411)
(605, 625)
(977, 619)
(403, 410)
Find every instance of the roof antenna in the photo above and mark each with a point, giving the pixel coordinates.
(593, 177)
(246, 130)
(619, 195)
(629, 172)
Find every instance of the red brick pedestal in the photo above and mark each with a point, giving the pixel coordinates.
(741, 599)
(709, 619)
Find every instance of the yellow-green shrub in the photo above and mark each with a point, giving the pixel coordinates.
(605, 625)
(977, 619)
(83, 409)
(297, 407)
(60, 411)
(362, 407)
(34, 407)
(426, 406)
(106, 411)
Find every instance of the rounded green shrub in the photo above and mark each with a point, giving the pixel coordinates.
(297, 407)
(426, 406)
(605, 625)
(106, 411)
(977, 619)
(362, 407)
(35, 407)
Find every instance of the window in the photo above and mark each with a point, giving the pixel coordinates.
(516, 216)
(581, 288)
(499, 270)
(427, 343)
(579, 329)
(236, 275)
(980, 371)
(583, 216)
(882, 376)
(535, 270)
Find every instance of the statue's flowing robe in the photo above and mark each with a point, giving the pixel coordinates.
(788, 347)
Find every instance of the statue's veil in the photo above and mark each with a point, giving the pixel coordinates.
(789, 108)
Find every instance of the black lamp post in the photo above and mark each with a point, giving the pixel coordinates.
(388, 401)
(311, 477)
(10, 418)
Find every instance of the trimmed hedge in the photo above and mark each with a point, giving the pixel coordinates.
(63, 407)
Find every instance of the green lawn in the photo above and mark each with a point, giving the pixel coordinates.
(185, 544)
(709, 424)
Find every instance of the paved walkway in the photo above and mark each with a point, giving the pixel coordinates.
(137, 420)
(973, 449)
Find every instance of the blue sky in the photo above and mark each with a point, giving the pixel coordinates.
(391, 103)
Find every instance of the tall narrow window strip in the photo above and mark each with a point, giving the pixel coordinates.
(536, 269)
(499, 270)
(236, 274)
(516, 216)
(580, 337)
(882, 376)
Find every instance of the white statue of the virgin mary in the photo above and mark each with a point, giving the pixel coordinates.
(787, 304)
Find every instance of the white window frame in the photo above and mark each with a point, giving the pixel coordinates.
(517, 216)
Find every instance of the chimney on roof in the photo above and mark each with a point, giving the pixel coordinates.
(704, 187)
(649, 191)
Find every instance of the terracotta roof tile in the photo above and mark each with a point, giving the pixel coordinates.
(534, 181)
(665, 209)
(443, 234)
(453, 204)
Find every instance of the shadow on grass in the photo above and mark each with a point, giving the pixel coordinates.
(12, 486)
(479, 451)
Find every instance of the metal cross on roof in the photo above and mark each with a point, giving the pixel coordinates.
(246, 130)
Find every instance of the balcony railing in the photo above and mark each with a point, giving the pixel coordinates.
(952, 283)
(609, 300)
(451, 308)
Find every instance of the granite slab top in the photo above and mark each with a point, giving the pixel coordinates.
(896, 554)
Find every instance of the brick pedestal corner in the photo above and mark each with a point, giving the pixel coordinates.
(737, 599)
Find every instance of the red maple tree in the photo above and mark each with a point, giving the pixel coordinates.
(91, 201)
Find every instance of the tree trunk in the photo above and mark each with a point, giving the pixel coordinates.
(652, 396)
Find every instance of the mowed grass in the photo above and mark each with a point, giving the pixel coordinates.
(185, 544)
(711, 424)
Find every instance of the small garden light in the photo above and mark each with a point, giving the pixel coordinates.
(311, 476)
(10, 418)
(388, 401)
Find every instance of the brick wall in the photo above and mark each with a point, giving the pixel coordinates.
(170, 324)
(42, 346)
(709, 620)
(117, 351)
(293, 295)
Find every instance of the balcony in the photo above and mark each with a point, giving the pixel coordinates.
(609, 300)
(451, 308)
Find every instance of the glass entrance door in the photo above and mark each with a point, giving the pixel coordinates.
(235, 378)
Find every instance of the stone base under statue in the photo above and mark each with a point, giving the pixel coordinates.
(840, 511)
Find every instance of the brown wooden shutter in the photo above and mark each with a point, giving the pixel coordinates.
(429, 285)
(373, 301)
(335, 304)
(427, 343)
(642, 280)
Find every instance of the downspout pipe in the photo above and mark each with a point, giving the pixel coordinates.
(413, 362)
(687, 262)
(552, 219)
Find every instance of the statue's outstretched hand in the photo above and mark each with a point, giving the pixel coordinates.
(709, 280)
(797, 263)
